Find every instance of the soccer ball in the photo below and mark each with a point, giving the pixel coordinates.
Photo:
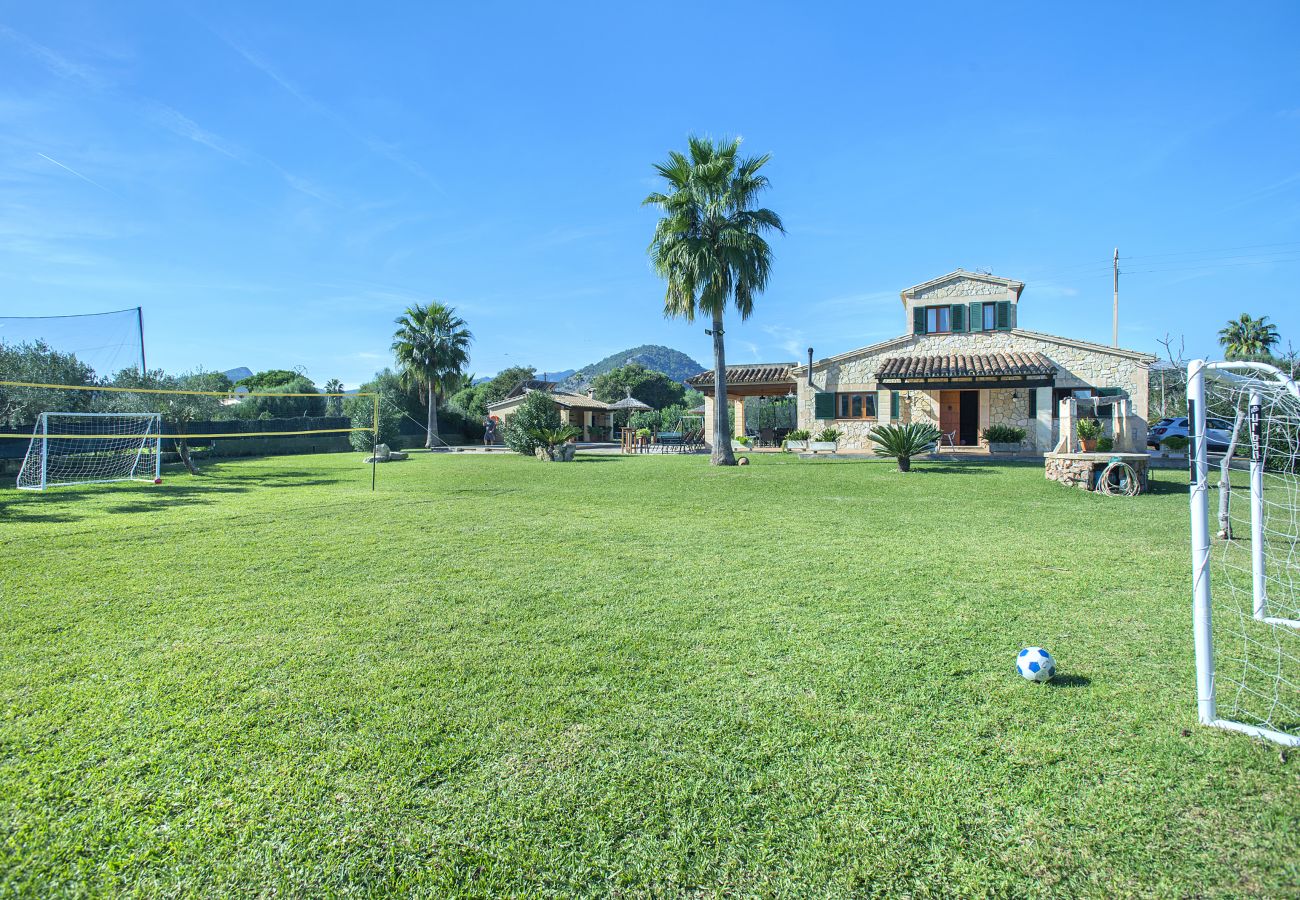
(1035, 664)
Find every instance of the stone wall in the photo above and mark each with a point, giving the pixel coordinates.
(1080, 470)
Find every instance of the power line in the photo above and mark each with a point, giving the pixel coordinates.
(1295, 244)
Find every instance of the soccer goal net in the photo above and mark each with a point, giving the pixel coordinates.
(1245, 499)
(87, 448)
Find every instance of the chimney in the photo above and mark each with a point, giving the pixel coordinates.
(591, 393)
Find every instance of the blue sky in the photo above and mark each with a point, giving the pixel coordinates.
(274, 183)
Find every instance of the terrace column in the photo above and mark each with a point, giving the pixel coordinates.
(740, 416)
(1043, 423)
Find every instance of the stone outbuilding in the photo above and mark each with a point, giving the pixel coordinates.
(583, 411)
(964, 363)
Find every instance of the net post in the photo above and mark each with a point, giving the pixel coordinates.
(1259, 582)
(45, 449)
(157, 452)
(1199, 497)
(374, 441)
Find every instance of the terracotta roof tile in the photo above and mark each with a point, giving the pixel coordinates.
(757, 373)
(966, 365)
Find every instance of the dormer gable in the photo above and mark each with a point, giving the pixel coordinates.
(961, 302)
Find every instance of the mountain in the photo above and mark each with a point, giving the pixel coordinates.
(236, 374)
(673, 363)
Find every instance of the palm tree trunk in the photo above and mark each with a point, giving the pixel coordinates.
(431, 426)
(722, 455)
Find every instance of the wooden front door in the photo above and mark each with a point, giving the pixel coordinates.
(959, 416)
(950, 415)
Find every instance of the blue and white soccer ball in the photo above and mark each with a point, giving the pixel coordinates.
(1035, 664)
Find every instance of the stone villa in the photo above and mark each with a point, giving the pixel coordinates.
(964, 363)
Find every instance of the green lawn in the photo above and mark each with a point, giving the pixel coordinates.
(624, 676)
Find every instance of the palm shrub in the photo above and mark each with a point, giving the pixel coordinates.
(548, 439)
(904, 441)
(828, 435)
(538, 411)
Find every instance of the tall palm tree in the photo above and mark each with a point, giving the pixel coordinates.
(334, 405)
(1247, 336)
(432, 347)
(709, 247)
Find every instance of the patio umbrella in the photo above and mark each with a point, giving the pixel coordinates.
(629, 404)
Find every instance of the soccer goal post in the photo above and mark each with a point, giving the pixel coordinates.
(88, 448)
(1245, 456)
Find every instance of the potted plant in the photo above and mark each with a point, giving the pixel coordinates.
(1003, 438)
(825, 440)
(1105, 445)
(1088, 430)
(741, 443)
(1175, 442)
(796, 441)
(904, 441)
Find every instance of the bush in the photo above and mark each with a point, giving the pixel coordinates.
(799, 434)
(829, 435)
(1175, 442)
(537, 411)
(361, 411)
(1003, 434)
(1105, 445)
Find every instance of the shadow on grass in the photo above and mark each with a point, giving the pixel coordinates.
(1157, 488)
(953, 469)
(1070, 681)
(19, 514)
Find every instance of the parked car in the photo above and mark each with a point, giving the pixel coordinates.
(1218, 432)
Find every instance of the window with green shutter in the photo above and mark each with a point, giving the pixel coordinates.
(1033, 403)
(918, 320)
(823, 405)
(976, 317)
(959, 317)
(893, 405)
(1004, 315)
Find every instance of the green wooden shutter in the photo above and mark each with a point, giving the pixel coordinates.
(893, 405)
(823, 405)
(958, 315)
(976, 317)
(1004, 315)
(1033, 403)
(918, 320)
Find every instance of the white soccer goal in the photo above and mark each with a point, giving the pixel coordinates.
(87, 448)
(1245, 455)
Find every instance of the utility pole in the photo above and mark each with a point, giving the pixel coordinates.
(1114, 322)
